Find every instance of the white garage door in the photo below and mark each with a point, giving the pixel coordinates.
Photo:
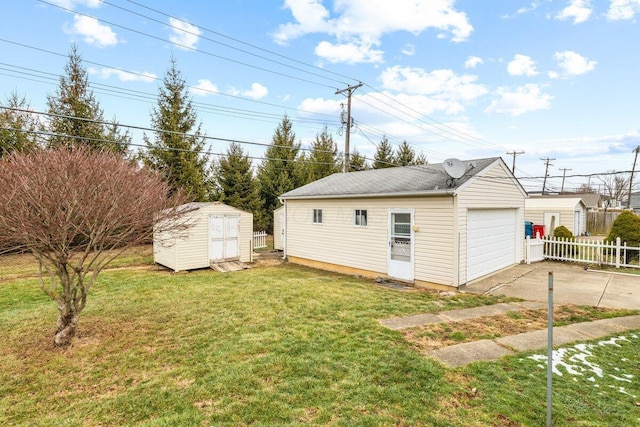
(490, 241)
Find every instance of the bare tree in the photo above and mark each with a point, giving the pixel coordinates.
(616, 185)
(76, 210)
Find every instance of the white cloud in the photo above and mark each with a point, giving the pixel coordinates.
(451, 91)
(473, 62)
(92, 31)
(350, 53)
(257, 91)
(69, 4)
(623, 9)
(522, 100)
(409, 49)
(579, 10)
(522, 65)
(573, 64)
(183, 34)
(356, 24)
(204, 88)
(124, 76)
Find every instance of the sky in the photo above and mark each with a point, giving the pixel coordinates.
(547, 79)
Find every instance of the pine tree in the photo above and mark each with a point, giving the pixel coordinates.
(421, 159)
(406, 155)
(18, 128)
(236, 186)
(176, 148)
(279, 172)
(323, 160)
(76, 117)
(357, 162)
(384, 155)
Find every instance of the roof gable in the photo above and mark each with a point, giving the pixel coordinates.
(428, 179)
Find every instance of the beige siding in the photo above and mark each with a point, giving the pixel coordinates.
(192, 251)
(338, 241)
(277, 228)
(493, 188)
(536, 207)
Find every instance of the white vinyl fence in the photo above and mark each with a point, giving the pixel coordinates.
(615, 254)
(259, 239)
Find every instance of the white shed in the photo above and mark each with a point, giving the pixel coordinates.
(552, 212)
(219, 233)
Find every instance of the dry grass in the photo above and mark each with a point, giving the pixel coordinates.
(438, 335)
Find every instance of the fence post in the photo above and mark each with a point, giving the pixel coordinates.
(617, 252)
(527, 249)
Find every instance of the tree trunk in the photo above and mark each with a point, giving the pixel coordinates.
(67, 326)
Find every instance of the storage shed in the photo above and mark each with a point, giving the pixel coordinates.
(416, 223)
(219, 233)
(553, 212)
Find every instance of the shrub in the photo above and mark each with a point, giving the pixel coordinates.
(627, 228)
(563, 232)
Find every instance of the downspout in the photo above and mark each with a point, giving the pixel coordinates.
(284, 227)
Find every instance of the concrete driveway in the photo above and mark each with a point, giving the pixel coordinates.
(572, 284)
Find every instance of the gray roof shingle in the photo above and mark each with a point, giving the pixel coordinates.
(408, 180)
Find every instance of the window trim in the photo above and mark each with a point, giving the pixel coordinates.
(358, 213)
(316, 214)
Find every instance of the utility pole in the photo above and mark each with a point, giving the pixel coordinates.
(349, 90)
(547, 161)
(564, 173)
(514, 154)
(637, 150)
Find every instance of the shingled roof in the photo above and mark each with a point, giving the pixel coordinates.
(398, 181)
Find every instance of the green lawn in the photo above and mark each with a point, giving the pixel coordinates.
(282, 345)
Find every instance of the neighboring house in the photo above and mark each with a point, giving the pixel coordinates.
(219, 233)
(554, 211)
(413, 223)
(635, 201)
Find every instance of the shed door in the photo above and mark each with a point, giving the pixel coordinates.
(491, 241)
(401, 244)
(576, 223)
(224, 242)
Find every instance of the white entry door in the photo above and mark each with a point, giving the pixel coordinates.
(576, 224)
(401, 244)
(224, 244)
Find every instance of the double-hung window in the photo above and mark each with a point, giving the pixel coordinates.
(317, 216)
(360, 217)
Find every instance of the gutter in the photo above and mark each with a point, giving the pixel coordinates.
(430, 193)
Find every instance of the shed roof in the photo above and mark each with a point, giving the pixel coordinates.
(553, 203)
(428, 179)
(591, 200)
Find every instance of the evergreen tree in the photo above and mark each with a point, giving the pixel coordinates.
(384, 155)
(421, 159)
(279, 172)
(357, 162)
(76, 117)
(236, 186)
(323, 160)
(17, 128)
(176, 148)
(406, 155)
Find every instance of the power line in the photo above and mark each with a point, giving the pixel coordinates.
(514, 154)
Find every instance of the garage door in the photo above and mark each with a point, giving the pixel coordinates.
(490, 241)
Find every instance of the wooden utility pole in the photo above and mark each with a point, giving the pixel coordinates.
(564, 173)
(514, 154)
(635, 158)
(349, 91)
(547, 161)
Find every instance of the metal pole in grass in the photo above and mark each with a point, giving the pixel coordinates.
(550, 350)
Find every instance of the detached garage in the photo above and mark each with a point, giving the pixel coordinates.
(432, 225)
(218, 233)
